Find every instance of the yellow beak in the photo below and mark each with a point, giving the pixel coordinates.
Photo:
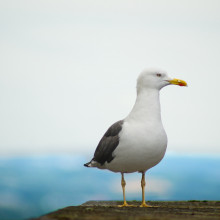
(177, 82)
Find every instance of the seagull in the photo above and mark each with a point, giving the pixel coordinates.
(139, 141)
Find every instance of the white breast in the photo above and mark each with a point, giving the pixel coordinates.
(140, 148)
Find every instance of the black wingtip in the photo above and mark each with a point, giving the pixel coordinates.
(87, 164)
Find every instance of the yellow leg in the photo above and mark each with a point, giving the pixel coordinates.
(143, 183)
(123, 183)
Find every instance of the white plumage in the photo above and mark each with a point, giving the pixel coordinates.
(143, 140)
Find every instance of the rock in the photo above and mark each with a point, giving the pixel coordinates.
(108, 210)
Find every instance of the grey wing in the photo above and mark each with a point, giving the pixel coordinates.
(108, 143)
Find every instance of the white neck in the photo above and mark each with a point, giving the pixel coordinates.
(146, 107)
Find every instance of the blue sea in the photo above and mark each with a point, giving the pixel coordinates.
(33, 186)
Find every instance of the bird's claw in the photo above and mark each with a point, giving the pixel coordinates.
(143, 204)
(125, 204)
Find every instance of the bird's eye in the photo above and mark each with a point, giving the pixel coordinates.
(159, 75)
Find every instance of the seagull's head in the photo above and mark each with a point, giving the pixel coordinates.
(156, 79)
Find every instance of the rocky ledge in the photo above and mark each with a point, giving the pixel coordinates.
(109, 210)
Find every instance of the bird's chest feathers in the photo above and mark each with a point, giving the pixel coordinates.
(141, 136)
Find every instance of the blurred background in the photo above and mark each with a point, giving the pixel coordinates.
(68, 71)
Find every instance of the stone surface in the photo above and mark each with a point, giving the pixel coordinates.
(108, 210)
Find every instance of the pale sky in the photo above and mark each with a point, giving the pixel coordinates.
(68, 71)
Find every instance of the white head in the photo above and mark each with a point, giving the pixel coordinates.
(156, 79)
